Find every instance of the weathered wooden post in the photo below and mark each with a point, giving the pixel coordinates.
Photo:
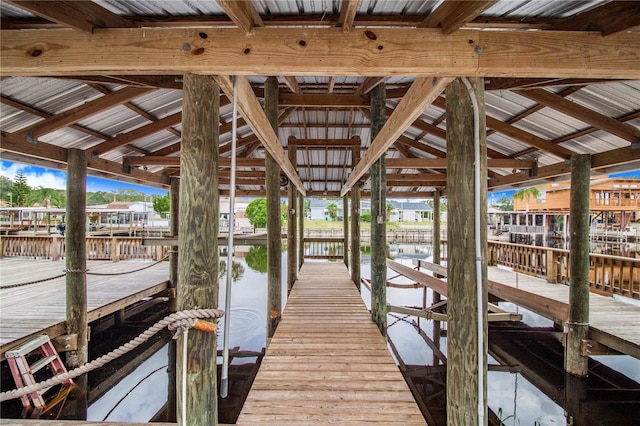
(198, 245)
(355, 222)
(378, 216)
(345, 230)
(578, 324)
(76, 278)
(467, 329)
(274, 227)
(300, 230)
(292, 263)
(174, 220)
(437, 258)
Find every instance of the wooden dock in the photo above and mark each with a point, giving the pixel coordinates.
(613, 323)
(327, 362)
(40, 308)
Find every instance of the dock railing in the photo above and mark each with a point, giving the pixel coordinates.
(607, 274)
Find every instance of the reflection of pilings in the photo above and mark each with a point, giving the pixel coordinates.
(438, 355)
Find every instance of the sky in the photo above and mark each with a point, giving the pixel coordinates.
(57, 179)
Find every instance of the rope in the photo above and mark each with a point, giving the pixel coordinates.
(82, 271)
(168, 321)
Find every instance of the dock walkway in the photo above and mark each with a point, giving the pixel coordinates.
(327, 362)
(41, 308)
(612, 322)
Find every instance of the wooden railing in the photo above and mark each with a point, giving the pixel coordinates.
(98, 248)
(323, 248)
(607, 274)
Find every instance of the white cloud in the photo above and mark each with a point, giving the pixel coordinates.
(36, 176)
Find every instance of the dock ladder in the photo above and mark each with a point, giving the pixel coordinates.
(23, 372)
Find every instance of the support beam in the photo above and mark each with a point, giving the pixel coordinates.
(348, 14)
(274, 227)
(355, 223)
(345, 230)
(465, 370)
(291, 83)
(174, 220)
(242, 13)
(578, 324)
(609, 18)
(322, 100)
(329, 143)
(419, 96)
(441, 163)
(301, 215)
(378, 215)
(254, 115)
(198, 244)
(292, 250)
(270, 51)
(450, 15)
(589, 116)
(76, 278)
(83, 16)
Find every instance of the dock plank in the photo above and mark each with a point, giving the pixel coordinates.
(327, 362)
(41, 308)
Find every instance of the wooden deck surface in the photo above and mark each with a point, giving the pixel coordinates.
(612, 322)
(40, 308)
(327, 362)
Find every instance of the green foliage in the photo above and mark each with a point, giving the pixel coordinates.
(162, 205)
(19, 191)
(365, 217)
(237, 270)
(332, 210)
(526, 194)
(100, 197)
(257, 258)
(389, 210)
(5, 186)
(257, 212)
(504, 204)
(307, 206)
(47, 197)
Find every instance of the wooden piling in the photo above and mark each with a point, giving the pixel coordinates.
(274, 243)
(578, 324)
(292, 251)
(378, 216)
(437, 258)
(198, 245)
(355, 223)
(300, 230)
(462, 349)
(345, 230)
(76, 278)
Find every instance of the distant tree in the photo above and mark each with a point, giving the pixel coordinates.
(525, 194)
(19, 190)
(332, 210)
(47, 197)
(237, 270)
(256, 258)
(257, 212)
(504, 204)
(162, 205)
(99, 197)
(365, 216)
(307, 206)
(5, 186)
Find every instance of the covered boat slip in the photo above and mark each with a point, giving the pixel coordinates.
(40, 308)
(327, 362)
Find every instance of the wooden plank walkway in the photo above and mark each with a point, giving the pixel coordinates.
(612, 322)
(40, 308)
(327, 362)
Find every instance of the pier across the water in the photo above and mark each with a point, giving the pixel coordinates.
(41, 308)
(327, 362)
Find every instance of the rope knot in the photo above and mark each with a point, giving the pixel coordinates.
(181, 326)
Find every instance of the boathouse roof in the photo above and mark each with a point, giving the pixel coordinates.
(561, 78)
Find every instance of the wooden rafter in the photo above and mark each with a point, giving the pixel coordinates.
(80, 15)
(368, 84)
(441, 163)
(83, 111)
(242, 13)
(419, 96)
(383, 51)
(608, 19)
(291, 83)
(323, 100)
(330, 143)
(348, 14)
(600, 121)
(253, 113)
(450, 15)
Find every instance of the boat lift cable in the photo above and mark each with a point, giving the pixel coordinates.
(180, 322)
(224, 378)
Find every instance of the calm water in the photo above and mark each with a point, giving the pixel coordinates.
(533, 396)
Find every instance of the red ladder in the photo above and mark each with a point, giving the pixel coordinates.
(23, 372)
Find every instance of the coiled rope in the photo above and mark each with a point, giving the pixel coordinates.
(80, 271)
(180, 321)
